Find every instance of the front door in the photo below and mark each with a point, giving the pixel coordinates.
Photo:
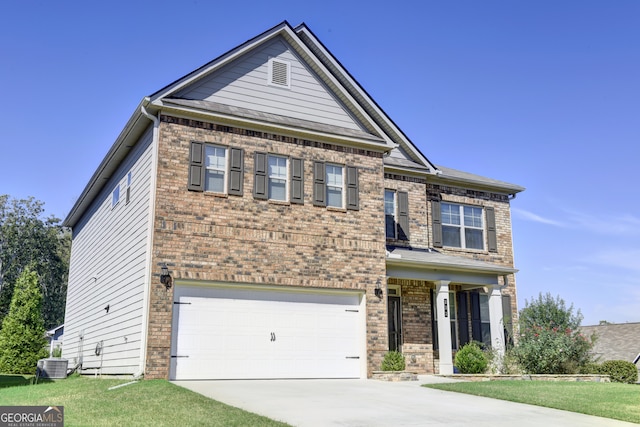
(395, 323)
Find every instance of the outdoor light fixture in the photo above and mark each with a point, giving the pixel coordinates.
(378, 290)
(165, 279)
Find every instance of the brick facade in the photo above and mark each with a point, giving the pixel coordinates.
(213, 238)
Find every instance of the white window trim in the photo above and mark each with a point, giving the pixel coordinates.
(286, 179)
(225, 179)
(343, 195)
(128, 188)
(461, 227)
(115, 196)
(395, 213)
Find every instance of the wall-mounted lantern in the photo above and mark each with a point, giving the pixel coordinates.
(165, 278)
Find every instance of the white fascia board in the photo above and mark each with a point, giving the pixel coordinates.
(189, 113)
(365, 98)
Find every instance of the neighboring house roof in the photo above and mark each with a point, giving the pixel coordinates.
(431, 258)
(615, 341)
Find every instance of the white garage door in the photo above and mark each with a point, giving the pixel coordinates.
(227, 333)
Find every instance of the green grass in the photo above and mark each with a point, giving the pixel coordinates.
(609, 400)
(89, 402)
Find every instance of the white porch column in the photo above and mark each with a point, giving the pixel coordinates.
(495, 319)
(443, 307)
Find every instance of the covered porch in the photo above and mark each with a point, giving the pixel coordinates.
(437, 303)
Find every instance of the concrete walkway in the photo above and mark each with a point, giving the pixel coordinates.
(371, 403)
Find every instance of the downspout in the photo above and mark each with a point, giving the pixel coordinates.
(150, 221)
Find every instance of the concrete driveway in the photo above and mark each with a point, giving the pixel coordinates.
(374, 403)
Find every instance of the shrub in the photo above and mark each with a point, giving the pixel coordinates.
(393, 361)
(590, 368)
(57, 352)
(22, 340)
(549, 341)
(470, 359)
(620, 371)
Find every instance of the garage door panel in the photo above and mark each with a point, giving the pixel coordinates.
(249, 334)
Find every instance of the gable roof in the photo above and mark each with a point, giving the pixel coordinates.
(377, 130)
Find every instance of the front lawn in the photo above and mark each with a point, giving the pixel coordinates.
(610, 400)
(89, 402)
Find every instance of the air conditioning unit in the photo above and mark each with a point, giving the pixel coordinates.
(52, 368)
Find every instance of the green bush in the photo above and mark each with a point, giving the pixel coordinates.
(590, 368)
(550, 341)
(620, 371)
(470, 359)
(393, 361)
(57, 352)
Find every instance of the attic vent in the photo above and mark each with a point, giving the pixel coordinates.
(279, 72)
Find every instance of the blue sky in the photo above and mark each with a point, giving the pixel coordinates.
(544, 94)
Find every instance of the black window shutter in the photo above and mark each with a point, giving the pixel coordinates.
(260, 178)
(476, 323)
(196, 167)
(236, 171)
(319, 184)
(507, 319)
(463, 318)
(353, 202)
(491, 230)
(403, 215)
(436, 214)
(297, 181)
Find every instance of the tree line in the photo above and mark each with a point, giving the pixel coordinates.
(29, 240)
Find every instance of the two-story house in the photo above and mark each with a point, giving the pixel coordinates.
(262, 217)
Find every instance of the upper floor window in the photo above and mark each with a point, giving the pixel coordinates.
(462, 226)
(396, 214)
(335, 186)
(278, 178)
(216, 169)
(128, 192)
(115, 196)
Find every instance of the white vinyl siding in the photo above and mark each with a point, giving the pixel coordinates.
(108, 259)
(245, 83)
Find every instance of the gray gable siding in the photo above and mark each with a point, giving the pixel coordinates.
(244, 83)
(108, 267)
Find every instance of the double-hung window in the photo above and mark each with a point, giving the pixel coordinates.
(335, 186)
(215, 168)
(396, 214)
(390, 213)
(462, 226)
(277, 178)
